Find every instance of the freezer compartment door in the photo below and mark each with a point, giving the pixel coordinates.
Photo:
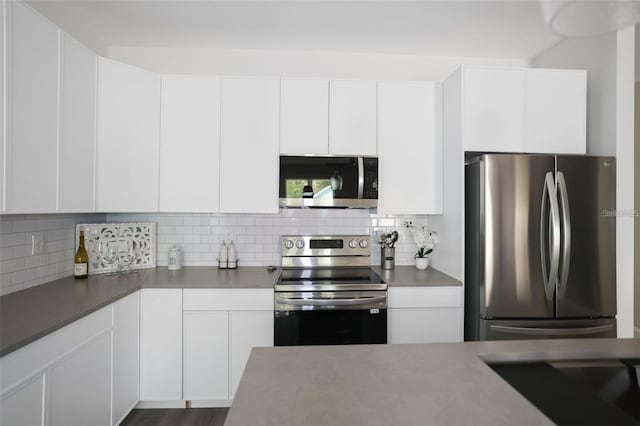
(546, 329)
(587, 273)
(510, 245)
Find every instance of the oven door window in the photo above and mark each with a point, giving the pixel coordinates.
(330, 327)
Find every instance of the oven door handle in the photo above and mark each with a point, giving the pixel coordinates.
(329, 302)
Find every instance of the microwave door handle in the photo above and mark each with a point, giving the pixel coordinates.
(360, 177)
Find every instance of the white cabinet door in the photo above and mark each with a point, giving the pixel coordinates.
(126, 355)
(77, 127)
(32, 145)
(23, 406)
(249, 145)
(206, 355)
(556, 111)
(493, 110)
(410, 147)
(247, 329)
(424, 325)
(3, 93)
(190, 144)
(79, 389)
(304, 117)
(352, 117)
(128, 138)
(161, 344)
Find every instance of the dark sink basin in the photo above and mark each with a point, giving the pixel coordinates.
(579, 392)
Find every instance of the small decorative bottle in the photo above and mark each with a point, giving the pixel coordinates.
(223, 256)
(232, 257)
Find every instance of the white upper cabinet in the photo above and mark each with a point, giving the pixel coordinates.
(190, 144)
(249, 145)
(493, 105)
(32, 144)
(524, 110)
(128, 138)
(556, 111)
(304, 117)
(410, 147)
(352, 117)
(77, 127)
(3, 93)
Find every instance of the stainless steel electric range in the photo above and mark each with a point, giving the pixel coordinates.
(327, 293)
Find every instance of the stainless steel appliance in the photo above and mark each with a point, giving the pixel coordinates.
(328, 181)
(540, 247)
(327, 293)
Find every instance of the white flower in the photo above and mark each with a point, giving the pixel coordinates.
(421, 236)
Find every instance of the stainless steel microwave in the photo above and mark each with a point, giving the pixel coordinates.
(328, 182)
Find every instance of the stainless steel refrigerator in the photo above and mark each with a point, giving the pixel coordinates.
(540, 247)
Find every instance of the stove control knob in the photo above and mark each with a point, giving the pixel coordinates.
(300, 244)
(363, 243)
(288, 244)
(353, 243)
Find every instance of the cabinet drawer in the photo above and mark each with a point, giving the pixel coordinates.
(425, 297)
(246, 299)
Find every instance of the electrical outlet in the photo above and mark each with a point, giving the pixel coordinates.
(37, 243)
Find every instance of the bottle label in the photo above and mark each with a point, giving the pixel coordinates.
(80, 269)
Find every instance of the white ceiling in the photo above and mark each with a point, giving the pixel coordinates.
(472, 28)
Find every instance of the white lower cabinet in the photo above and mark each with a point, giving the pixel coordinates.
(221, 326)
(425, 314)
(23, 406)
(126, 356)
(161, 345)
(206, 355)
(80, 386)
(247, 329)
(63, 378)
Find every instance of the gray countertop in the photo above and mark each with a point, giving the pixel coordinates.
(30, 314)
(447, 383)
(410, 276)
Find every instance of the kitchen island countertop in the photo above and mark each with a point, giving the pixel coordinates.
(418, 384)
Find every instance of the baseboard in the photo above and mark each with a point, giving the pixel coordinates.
(636, 332)
(181, 404)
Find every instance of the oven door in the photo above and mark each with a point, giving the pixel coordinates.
(330, 318)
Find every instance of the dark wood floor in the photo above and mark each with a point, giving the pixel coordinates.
(176, 417)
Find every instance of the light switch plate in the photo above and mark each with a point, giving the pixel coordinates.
(37, 243)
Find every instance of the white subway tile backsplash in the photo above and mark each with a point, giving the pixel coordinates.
(46, 270)
(257, 237)
(24, 275)
(33, 261)
(24, 226)
(18, 268)
(14, 239)
(12, 265)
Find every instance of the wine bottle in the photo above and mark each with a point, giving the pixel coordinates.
(81, 260)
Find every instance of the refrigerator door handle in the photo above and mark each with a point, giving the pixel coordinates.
(549, 192)
(566, 236)
(541, 331)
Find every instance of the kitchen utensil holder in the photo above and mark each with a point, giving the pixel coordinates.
(387, 257)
